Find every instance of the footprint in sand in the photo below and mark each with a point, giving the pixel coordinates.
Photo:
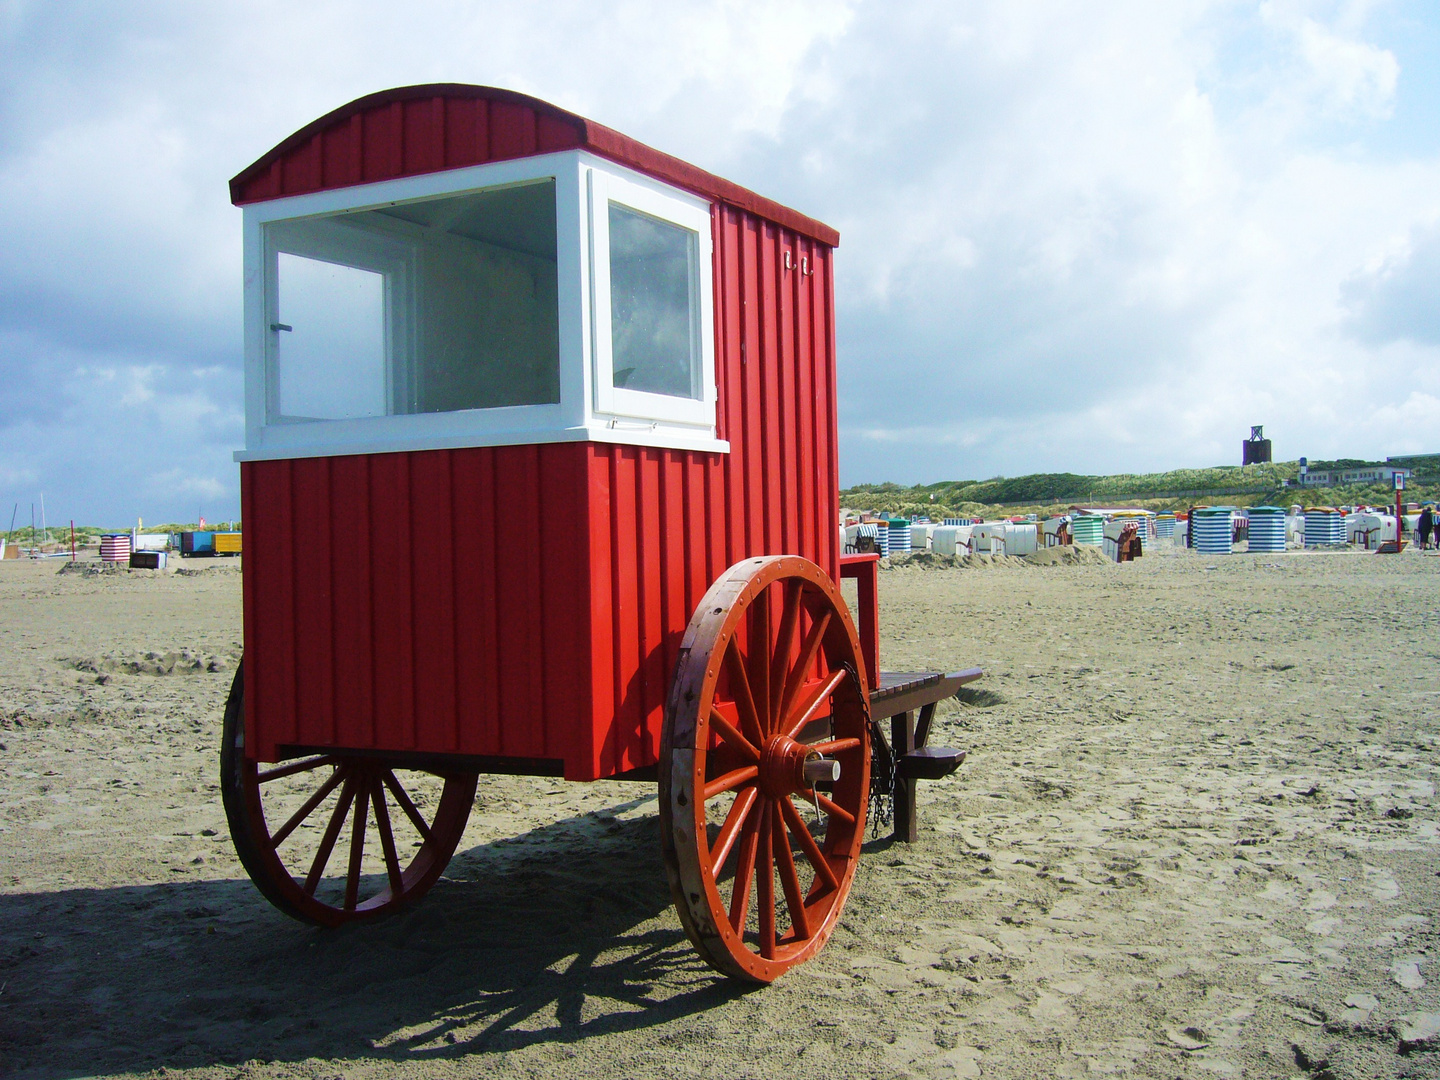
(1358, 1007)
(1406, 972)
(1382, 884)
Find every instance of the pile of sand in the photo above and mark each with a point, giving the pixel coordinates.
(1069, 555)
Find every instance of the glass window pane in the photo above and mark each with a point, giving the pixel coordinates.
(488, 318)
(434, 306)
(331, 359)
(652, 268)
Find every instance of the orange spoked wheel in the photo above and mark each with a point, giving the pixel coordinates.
(333, 838)
(765, 767)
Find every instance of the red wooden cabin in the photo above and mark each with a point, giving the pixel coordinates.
(523, 398)
(526, 601)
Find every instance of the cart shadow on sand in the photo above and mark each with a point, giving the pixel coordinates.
(550, 937)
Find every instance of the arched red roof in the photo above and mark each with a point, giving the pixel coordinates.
(412, 130)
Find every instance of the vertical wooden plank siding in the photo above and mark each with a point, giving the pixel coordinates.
(528, 601)
(433, 574)
(516, 518)
(422, 133)
(251, 614)
(410, 138)
(392, 587)
(340, 158)
(787, 450)
(349, 499)
(775, 370)
(409, 601)
(477, 624)
(269, 587)
(565, 601)
(749, 422)
(382, 153)
(314, 612)
(594, 753)
(625, 605)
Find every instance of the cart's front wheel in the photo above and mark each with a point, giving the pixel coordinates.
(765, 767)
(396, 827)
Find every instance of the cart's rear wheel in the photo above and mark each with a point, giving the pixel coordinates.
(396, 828)
(760, 840)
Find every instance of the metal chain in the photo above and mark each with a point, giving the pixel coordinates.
(882, 784)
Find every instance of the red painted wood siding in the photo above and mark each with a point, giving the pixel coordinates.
(405, 137)
(528, 601)
(412, 601)
(664, 524)
(413, 130)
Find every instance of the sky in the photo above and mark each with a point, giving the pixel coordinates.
(1074, 236)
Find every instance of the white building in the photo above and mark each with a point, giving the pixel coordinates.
(1364, 474)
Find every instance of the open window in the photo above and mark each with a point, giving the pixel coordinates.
(545, 299)
(434, 306)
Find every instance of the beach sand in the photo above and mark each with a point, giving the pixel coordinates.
(1196, 836)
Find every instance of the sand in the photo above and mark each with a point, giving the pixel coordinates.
(1196, 837)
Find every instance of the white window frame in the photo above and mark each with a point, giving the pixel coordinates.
(608, 186)
(591, 408)
(393, 261)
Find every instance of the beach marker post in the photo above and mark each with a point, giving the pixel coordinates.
(1394, 547)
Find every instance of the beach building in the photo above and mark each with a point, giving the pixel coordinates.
(1375, 473)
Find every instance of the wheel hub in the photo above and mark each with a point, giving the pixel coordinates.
(788, 766)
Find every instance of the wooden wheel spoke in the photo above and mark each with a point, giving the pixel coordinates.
(302, 879)
(387, 838)
(357, 844)
(745, 873)
(737, 742)
(784, 646)
(771, 647)
(403, 801)
(730, 781)
(332, 833)
(834, 809)
(821, 694)
(808, 651)
(734, 820)
(309, 808)
(295, 767)
(765, 882)
(744, 699)
(817, 859)
(759, 646)
(789, 879)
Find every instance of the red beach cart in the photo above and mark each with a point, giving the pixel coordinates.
(541, 478)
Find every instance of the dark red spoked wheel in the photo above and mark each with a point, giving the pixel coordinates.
(396, 828)
(765, 767)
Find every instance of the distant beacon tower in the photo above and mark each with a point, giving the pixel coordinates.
(1255, 449)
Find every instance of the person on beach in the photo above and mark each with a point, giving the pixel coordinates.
(1425, 526)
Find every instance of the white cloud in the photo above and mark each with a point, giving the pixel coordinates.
(1075, 236)
(1134, 264)
(1346, 74)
